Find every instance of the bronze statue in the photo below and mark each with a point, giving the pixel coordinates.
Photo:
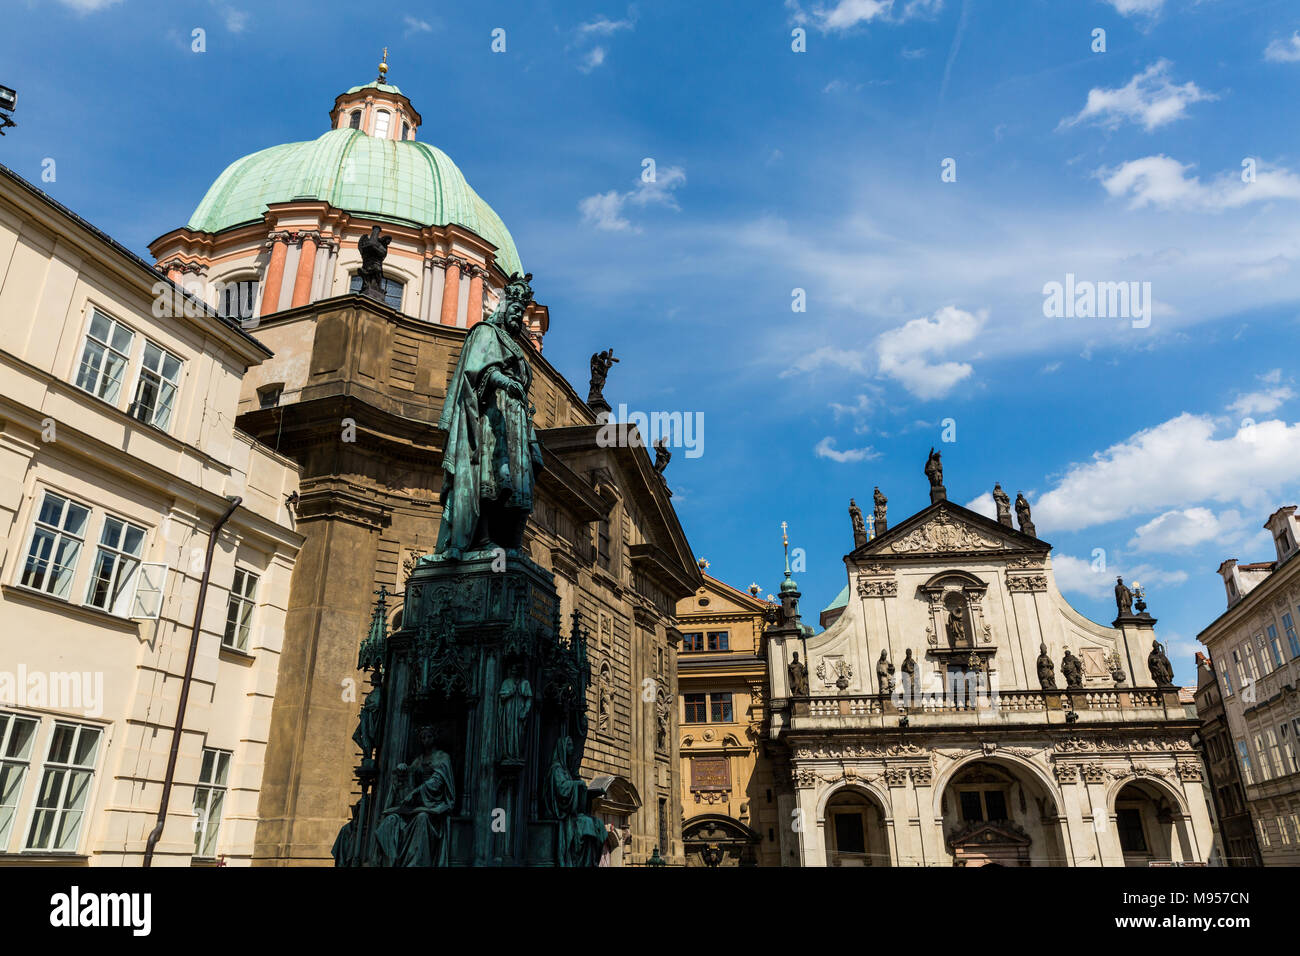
(1046, 670)
(1123, 598)
(493, 455)
(885, 673)
(1162, 672)
(859, 526)
(413, 830)
(798, 672)
(1022, 514)
(934, 472)
(601, 363)
(1003, 503)
(515, 701)
(1071, 670)
(373, 249)
(879, 516)
(564, 798)
(367, 733)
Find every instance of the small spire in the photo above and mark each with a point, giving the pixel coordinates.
(383, 67)
(785, 543)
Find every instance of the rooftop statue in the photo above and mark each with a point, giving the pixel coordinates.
(493, 455)
(373, 249)
(1003, 503)
(601, 363)
(934, 471)
(859, 526)
(1022, 515)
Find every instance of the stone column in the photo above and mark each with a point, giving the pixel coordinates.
(279, 245)
(306, 266)
(450, 291)
(812, 841)
(474, 313)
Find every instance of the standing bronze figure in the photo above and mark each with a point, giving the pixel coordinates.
(493, 455)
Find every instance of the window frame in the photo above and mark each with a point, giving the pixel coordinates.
(35, 524)
(93, 311)
(389, 283)
(717, 645)
(70, 769)
(204, 828)
(142, 372)
(1292, 639)
(126, 588)
(247, 598)
(698, 704)
(692, 642)
(724, 703)
(9, 719)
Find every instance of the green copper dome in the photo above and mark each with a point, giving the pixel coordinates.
(399, 180)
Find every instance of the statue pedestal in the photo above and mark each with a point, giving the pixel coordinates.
(480, 659)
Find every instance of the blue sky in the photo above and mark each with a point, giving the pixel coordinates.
(819, 170)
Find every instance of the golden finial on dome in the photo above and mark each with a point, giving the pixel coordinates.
(383, 66)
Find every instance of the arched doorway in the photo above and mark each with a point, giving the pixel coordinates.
(714, 840)
(1144, 824)
(994, 814)
(855, 831)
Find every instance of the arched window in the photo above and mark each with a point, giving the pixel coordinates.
(406, 131)
(238, 299)
(382, 119)
(355, 120)
(392, 291)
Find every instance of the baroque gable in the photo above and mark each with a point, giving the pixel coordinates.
(949, 529)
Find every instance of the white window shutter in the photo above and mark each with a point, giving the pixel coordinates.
(150, 581)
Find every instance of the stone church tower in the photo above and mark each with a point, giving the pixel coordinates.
(958, 712)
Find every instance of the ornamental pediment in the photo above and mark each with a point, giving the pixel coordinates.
(946, 533)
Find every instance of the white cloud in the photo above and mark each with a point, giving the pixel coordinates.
(1284, 51)
(845, 14)
(89, 6)
(827, 356)
(1135, 8)
(1149, 99)
(907, 352)
(860, 412)
(1096, 580)
(1164, 182)
(605, 210)
(1177, 463)
(415, 25)
(594, 58)
(1185, 528)
(603, 26)
(826, 449)
(983, 505)
(1261, 402)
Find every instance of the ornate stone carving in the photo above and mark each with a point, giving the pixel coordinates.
(834, 670)
(1067, 773)
(896, 776)
(921, 776)
(878, 588)
(942, 534)
(1026, 582)
(1094, 773)
(1025, 563)
(804, 778)
(1190, 770)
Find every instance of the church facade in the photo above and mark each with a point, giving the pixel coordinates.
(959, 712)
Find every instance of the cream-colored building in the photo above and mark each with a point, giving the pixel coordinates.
(118, 453)
(970, 758)
(1255, 651)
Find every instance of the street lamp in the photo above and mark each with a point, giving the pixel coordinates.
(8, 103)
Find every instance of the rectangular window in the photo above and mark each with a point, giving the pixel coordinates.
(1225, 677)
(718, 640)
(238, 299)
(116, 562)
(1282, 831)
(392, 291)
(1275, 753)
(1266, 770)
(972, 811)
(693, 641)
(1263, 834)
(1243, 675)
(696, 709)
(104, 357)
(17, 734)
(995, 804)
(849, 834)
(65, 786)
(1292, 640)
(720, 708)
(155, 392)
(1287, 749)
(1243, 754)
(209, 796)
(59, 532)
(1263, 658)
(1132, 836)
(1274, 646)
(239, 610)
